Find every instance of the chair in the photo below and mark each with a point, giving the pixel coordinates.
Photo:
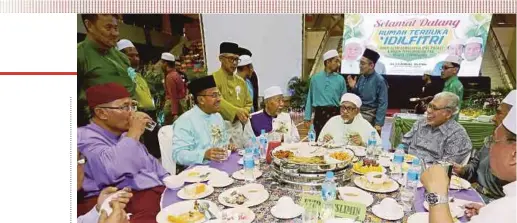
(165, 139)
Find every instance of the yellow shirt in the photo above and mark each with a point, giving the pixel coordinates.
(234, 93)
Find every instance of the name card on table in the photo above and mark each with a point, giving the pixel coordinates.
(342, 209)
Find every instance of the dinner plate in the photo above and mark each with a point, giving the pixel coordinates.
(183, 194)
(236, 215)
(287, 212)
(422, 217)
(182, 207)
(355, 194)
(255, 193)
(362, 183)
(239, 174)
(383, 171)
(197, 174)
(359, 151)
(456, 211)
(221, 182)
(381, 212)
(458, 183)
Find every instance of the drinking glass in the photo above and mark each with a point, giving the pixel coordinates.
(150, 125)
(310, 216)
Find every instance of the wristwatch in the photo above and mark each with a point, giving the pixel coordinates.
(434, 199)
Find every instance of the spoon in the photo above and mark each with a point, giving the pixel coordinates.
(206, 208)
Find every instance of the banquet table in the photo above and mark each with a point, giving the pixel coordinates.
(403, 122)
(276, 190)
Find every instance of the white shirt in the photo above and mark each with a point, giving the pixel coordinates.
(501, 210)
(350, 67)
(337, 128)
(91, 217)
(470, 68)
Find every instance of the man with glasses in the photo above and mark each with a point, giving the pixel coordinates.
(325, 90)
(473, 56)
(478, 168)
(437, 136)
(349, 127)
(115, 155)
(503, 161)
(450, 69)
(174, 89)
(271, 118)
(200, 135)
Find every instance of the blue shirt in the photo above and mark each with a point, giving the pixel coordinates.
(325, 89)
(373, 91)
(193, 135)
(250, 89)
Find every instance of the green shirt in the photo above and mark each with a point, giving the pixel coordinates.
(234, 93)
(454, 85)
(96, 67)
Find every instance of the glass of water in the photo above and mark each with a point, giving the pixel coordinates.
(310, 216)
(150, 125)
(407, 197)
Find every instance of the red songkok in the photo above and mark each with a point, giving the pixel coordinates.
(105, 93)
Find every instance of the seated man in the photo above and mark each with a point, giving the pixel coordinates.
(437, 136)
(502, 162)
(350, 127)
(199, 134)
(115, 155)
(478, 169)
(271, 118)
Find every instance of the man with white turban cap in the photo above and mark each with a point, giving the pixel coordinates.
(473, 55)
(349, 127)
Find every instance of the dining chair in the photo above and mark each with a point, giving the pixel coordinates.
(165, 140)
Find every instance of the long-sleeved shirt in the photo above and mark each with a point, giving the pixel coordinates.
(447, 141)
(174, 90)
(454, 85)
(283, 123)
(373, 91)
(478, 170)
(325, 89)
(91, 217)
(501, 210)
(115, 160)
(194, 132)
(339, 131)
(250, 90)
(234, 94)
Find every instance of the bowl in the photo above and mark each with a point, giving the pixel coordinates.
(376, 177)
(173, 182)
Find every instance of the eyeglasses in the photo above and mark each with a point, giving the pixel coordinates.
(232, 59)
(81, 160)
(493, 142)
(347, 109)
(213, 95)
(132, 107)
(446, 67)
(434, 108)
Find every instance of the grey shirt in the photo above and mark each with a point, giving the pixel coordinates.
(449, 140)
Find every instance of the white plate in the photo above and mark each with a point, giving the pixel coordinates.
(359, 183)
(232, 216)
(241, 161)
(419, 217)
(380, 212)
(362, 197)
(458, 183)
(181, 207)
(185, 196)
(196, 173)
(341, 220)
(222, 182)
(287, 212)
(330, 160)
(385, 162)
(359, 151)
(456, 211)
(239, 175)
(383, 171)
(255, 193)
(241, 152)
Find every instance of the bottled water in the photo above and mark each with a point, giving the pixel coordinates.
(407, 193)
(372, 146)
(398, 159)
(249, 165)
(311, 135)
(328, 195)
(255, 148)
(263, 144)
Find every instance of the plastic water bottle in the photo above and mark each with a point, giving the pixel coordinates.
(311, 135)
(263, 144)
(407, 193)
(398, 160)
(328, 195)
(256, 151)
(372, 145)
(249, 165)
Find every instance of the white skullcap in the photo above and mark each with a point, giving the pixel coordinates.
(330, 54)
(456, 41)
(123, 44)
(356, 100)
(510, 98)
(510, 120)
(168, 57)
(453, 59)
(353, 40)
(272, 91)
(244, 60)
(474, 40)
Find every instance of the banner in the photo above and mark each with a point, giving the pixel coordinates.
(410, 44)
(342, 209)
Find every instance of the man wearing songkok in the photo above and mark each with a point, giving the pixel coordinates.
(429, 89)
(450, 69)
(437, 136)
(503, 164)
(118, 203)
(473, 56)
(380, 68)
(253, 79)
(351, 55)
(372, 89)
(325, 90)
(174, 89)
(115, 155)
(349, 127)
(478, 169)
(99, 61)
(271, 118)
(200, 133)
(245, 70)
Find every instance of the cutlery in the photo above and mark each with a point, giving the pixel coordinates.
(206, 208)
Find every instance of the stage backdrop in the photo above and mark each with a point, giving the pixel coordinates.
(275, 40)
(409, 44)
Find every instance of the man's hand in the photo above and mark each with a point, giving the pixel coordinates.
(435, 180)
(357, 140)
(215, 154)
(242, 115)
(123, 197)
(351, 81)
(117, 216)
(472, 209)
(458, 169)
(327, 137)
(137, 124)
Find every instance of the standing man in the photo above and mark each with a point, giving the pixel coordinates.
(253, 79)
(325, 90)
(450, 69)
(244, 70)
(174, 89)
(99, 62)
(373, 90)
(426, 95)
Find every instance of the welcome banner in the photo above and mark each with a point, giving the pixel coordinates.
(410, 44)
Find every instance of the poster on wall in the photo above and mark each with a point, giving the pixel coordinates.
(410, 44)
